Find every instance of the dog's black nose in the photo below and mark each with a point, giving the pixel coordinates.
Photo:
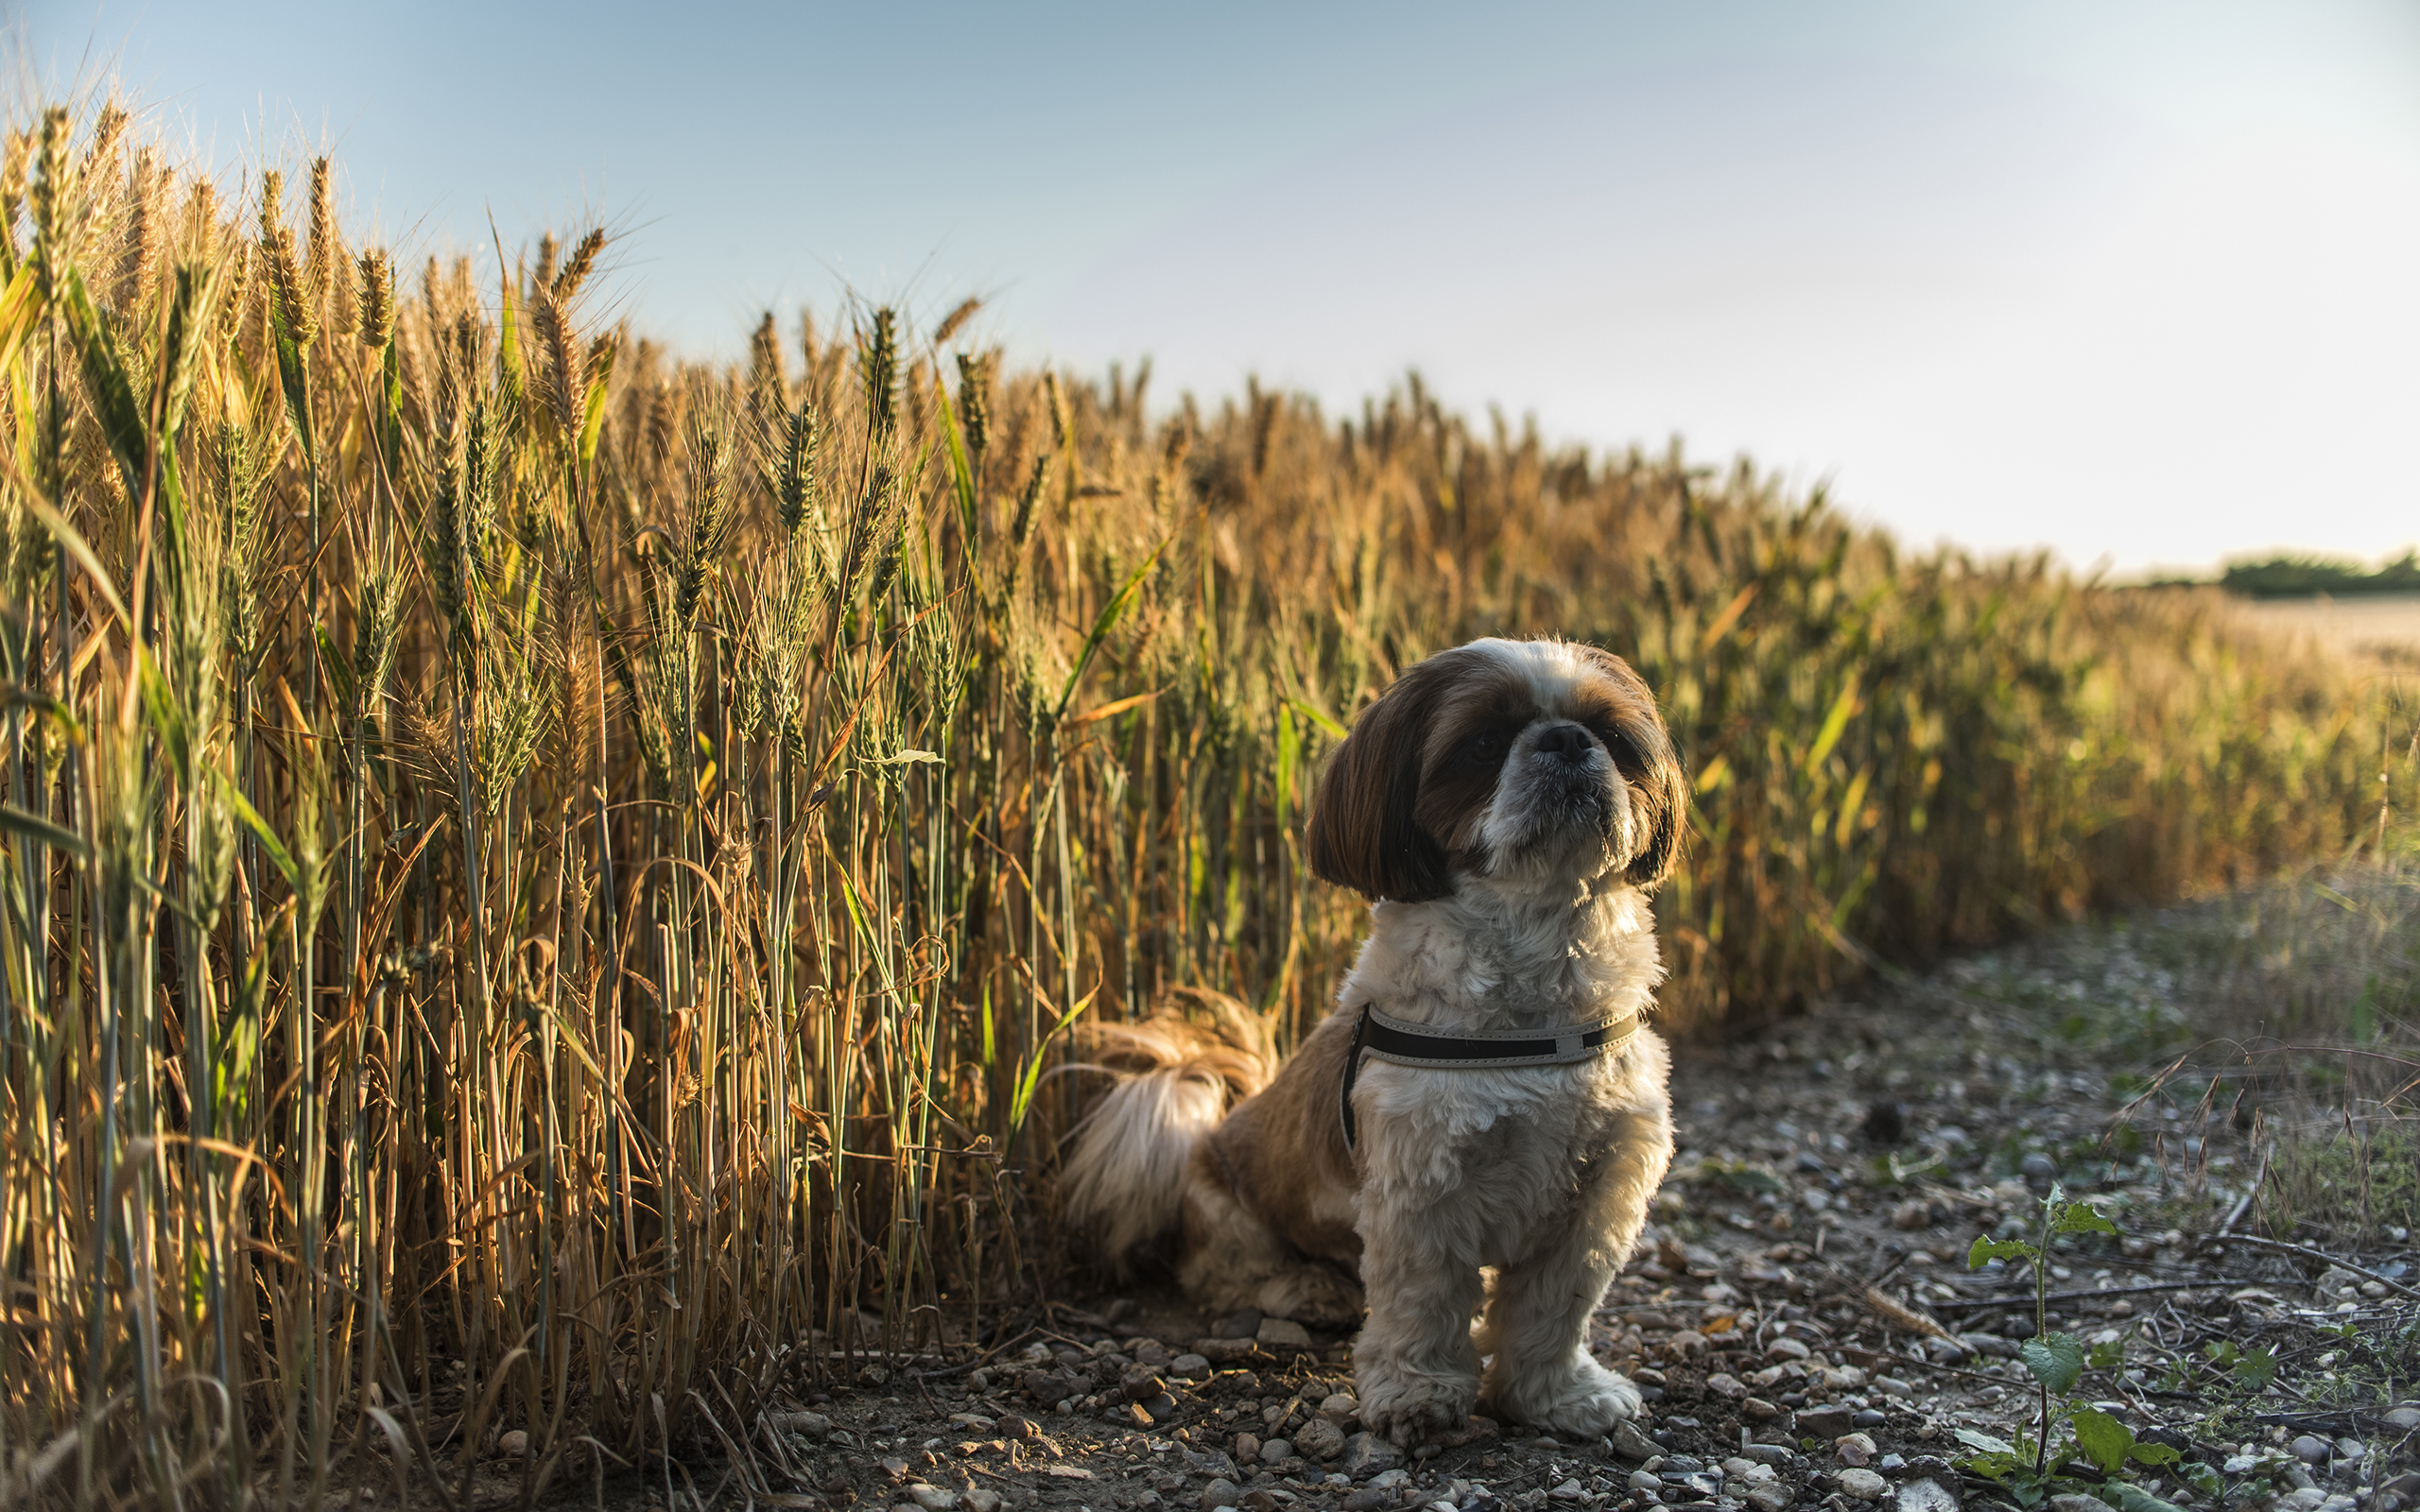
(1564, 740)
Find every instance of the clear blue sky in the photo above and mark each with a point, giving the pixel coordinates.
(2138, 282)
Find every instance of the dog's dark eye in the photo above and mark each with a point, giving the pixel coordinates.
(1618, 744)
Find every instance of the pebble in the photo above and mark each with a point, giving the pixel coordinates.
(2077, 1501)
(2311, 1450)
(1758, 1409)
(2404, 1419)
(1786, 1348)
(1726, 1385)
(1630, 1443)
(1892, 1464)
(1341, 1407)
(1926, 1496)
(1365, 1454)
(1646, 1482)
(1776, 1455)
(1870, 1418)
(1243, 1324)
(1368, 1499)
(2351, 1449)
(804, 1425)
(514, 1444)
(1319, 1439)
(1827, 1421)
(1855, 1449)
(1247, 1448)
(979, 1501)
(1274, 1451)
(1569, 1491)
(1769, 1496)
(1189, 1366)
(1221, 1492)
(1863, 1485)
(2307, 1499)
(933, 1498)
(1282, 1333)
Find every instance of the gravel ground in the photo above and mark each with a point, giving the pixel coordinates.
(1802, 1317)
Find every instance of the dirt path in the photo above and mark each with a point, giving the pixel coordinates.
(1803, 1319)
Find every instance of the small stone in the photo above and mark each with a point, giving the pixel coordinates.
(1282, 1333)
(512, 1444)
(979, 1501)
(2309, 1499)
(1013, 1426)
(1189, 1366)
(1686, 1344)
(933, 1498)
(894, 1467)
(1726, 1385)
(1863, 1485)
(1646, 1482)
(1776, 1456)
(1225, 1352)
(1141, 1384)
(1830, 1420)
(2038, 1167)
(1769, 1496)
(2351, 1449)
(1368, 1499)
(1275, 1450)
(2311, 1450)
(1856, 1448)
(1892, 1464)
(1367, 1454)
(1870, 1418)
(1247, 1448)
(1569, 1491)
(1319, 1439)
(1259, 1501)
(1926, 1496)
(1758, 1409)
(1630, 1443)
(1786, 1348)
(805, 1424)
(1893, 1386)
(2404, 1419)
(1991, 1343)
(1242, 1325)
(1340, 1407)
(1221, 1492)
(2077, 1501)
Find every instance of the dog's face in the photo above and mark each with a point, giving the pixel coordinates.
(1522, 762)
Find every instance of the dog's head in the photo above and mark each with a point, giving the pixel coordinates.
(1525, 763)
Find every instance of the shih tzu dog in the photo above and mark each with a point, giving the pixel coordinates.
(1477, 1131)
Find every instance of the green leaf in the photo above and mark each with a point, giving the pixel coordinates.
(2055, 1359)
(2256, 1367)
(278, 855)
(2107, 1356)
(2127, 1497)
(2080, 1218)
(2104, 1440)
(34, 827)
(1105, 622)
(1984, 1442)
(1987, 1249)
(1324, 721)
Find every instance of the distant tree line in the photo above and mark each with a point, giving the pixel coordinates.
(2302, 577)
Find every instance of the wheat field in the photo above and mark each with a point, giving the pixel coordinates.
(538, 868)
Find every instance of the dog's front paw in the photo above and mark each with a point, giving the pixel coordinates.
(1581, 1399)
(1410, 1406)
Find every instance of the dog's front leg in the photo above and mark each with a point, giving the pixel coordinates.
(1415, 1364)
(1536, 1330)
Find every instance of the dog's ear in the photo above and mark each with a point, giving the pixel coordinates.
(1659, 789)
(1362, 833)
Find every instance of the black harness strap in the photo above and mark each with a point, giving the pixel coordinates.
(1411, 1044)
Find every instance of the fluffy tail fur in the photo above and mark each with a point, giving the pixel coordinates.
(1177, 1073)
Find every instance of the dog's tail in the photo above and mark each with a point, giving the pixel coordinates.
(1177, 1073)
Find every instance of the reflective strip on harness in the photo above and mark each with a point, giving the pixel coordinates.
(1410, 1044)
